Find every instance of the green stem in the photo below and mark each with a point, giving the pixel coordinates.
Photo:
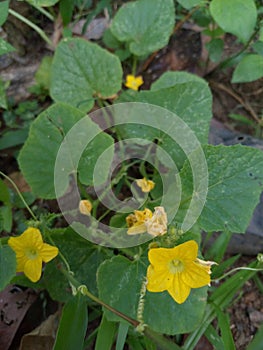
(44, 12)
(59, 252)
(234, 270)
(84, 290)
(19, 194)
(31, 25)
(134, 65)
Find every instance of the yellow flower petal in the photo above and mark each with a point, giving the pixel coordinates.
(33, 269)
(195, 275)
(179, 291)
(48, 252)
(136, 229)
(157, 281)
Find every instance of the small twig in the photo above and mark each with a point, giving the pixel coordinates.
(230, 92)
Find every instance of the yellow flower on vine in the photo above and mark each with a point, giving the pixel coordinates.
(85, 207)
(145, 221)
(145, 185)
(31, 252)
(133, 82)
(177, 270)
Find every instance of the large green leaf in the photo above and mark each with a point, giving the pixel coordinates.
(235, 184)
(124, 296)
(237, 17)
(38, 156)
(250, 68)
(171, 78)
(73, 324)
(7, 265)
(191, 101)
(82, 70)
(145, 24)
(83, 257)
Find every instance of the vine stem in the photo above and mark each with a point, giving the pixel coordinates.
(31, 25)
(19, 194)
(234, 270)
(84, 290)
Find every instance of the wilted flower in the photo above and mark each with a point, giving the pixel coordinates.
(85, 207)
(145, 185)
(146, 221)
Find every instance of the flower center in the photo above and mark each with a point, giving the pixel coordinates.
(176, 266)
(31, 253)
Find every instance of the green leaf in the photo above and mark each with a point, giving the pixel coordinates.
(66, 8)
(128, 277)
(237, 17)
(73, 324)
(4, 193)
(145, 24)
(43, 74)
(106, 334)
(189, 3)
(5, 47)
(224, 325)
(42, 3)
(256, 343)
(170, 79)
(4, 5)
(82, 70)
(83, 257)
(45, 138)
(235, 184)
(215, 49)
(3, 101)
(7, 265)
(13, 138)
(122, 335)
(250, 68)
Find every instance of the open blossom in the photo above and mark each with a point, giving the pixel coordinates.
(85, 207)
(145, 185)
(145, 221)
(31, 252)
(177, 270)
(133, 82)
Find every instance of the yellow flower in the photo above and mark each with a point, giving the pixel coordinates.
(145, 185)
(133, 82)
(146, 221)
(31, 251)
(177, 270)
(85, 207)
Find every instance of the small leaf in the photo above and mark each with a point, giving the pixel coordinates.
(244, 13)
(5, 47)
(145, 24)
(42, 3)
(250, 68)
(13, 138)
(4, 5)
(7, 265)
(73, 324)
(3, 101)
(189, 3)
(82, 70)
(215, 48)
